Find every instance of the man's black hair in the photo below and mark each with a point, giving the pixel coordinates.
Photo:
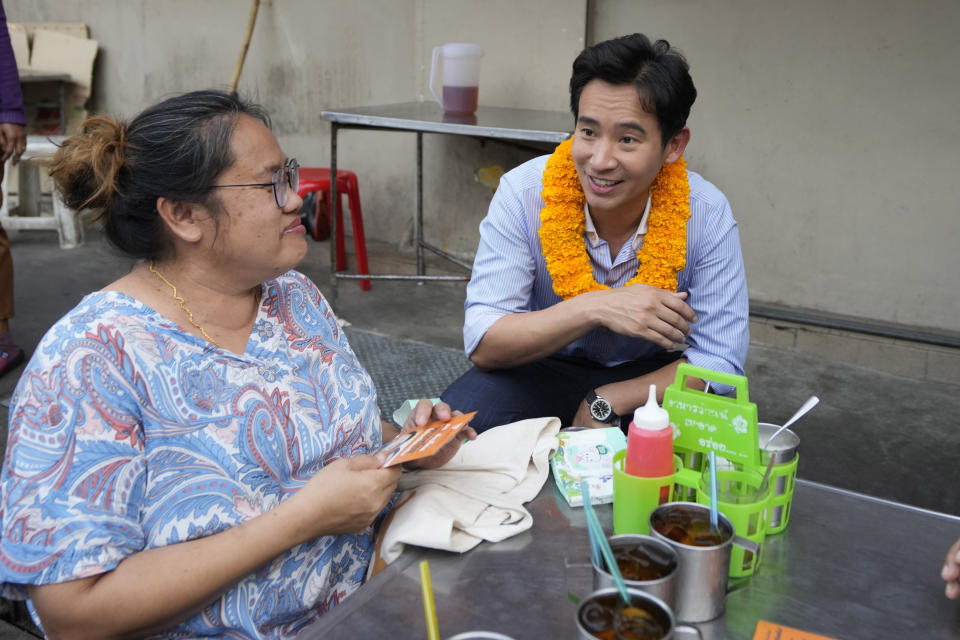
(658, 72)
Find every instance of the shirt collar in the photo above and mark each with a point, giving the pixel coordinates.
(594, 238)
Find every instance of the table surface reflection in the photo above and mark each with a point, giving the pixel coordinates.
(848, 566)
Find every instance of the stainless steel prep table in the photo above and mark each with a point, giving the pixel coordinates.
(848, 566)
(502, 123)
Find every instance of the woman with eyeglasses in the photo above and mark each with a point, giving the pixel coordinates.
(192, 448)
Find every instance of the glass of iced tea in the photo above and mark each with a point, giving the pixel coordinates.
(645, 563)
(603, 615)
(688, 526)
(703, 555)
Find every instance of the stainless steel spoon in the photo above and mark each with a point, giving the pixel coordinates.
(802, 411)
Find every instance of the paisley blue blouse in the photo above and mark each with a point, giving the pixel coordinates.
(127, 433)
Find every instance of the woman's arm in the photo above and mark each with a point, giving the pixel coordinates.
(153, 589)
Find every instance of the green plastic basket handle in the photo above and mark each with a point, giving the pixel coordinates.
(687, 370)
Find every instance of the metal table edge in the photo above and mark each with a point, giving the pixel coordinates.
(877, 500)
(346, 120)
(372, 587)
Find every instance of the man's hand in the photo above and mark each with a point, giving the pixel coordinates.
(641, 311)
(13, 141)
(951, 571)
(425, 412)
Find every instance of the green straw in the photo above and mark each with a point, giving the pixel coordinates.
(598, 538)
(714, 517)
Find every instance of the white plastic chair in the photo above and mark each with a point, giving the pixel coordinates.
(63, 220)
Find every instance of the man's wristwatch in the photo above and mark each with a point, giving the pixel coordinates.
(600, 408)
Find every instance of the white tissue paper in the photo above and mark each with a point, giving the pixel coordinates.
(587, 454)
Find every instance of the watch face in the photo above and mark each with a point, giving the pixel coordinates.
(600, 409)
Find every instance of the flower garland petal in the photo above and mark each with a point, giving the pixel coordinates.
(663, 253)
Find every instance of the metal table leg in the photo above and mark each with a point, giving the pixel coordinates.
(420, 275)
(334, 127)
(63, 107)
(418, 221)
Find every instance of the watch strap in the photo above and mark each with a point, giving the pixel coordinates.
(592, 397)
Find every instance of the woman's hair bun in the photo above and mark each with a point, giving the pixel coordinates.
(87, 165)
(174, 149)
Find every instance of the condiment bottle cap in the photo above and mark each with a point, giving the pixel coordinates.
(651, 417)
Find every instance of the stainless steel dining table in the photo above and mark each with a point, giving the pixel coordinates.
(497, 123)
(849, 566)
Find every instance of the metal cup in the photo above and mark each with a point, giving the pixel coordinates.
(783, 450)
(659, 551)
(654, 606)
(701, 591)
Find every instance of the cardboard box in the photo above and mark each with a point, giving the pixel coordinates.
(55, 62)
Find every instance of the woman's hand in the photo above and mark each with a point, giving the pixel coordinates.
(425, 412)
(344, 497)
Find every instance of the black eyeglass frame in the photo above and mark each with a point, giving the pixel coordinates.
(290, 170)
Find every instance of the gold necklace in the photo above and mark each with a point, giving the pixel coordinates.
(183, 306)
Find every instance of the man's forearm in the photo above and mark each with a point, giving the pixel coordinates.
(627, 395)
(521, 338)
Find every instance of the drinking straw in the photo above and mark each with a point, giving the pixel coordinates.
(714, 517)
(594, 548)
(429, 610)
(766, 475)
(598, 538)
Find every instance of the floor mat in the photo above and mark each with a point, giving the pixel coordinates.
(403, 369)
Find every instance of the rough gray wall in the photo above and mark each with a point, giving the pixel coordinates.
(307, 56)
(528, 49)
(832, 128)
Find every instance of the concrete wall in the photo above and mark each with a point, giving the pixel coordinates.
(307, 56)
(304, 57)
(832, 128)
(529, 47)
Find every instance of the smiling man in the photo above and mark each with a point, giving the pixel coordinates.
(604, 265)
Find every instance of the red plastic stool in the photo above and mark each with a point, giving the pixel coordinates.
(318, 179)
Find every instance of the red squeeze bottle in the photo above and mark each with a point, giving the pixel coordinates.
(650, 441)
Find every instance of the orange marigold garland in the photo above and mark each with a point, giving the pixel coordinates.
(562, 223)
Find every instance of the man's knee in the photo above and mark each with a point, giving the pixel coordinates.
(495, 397)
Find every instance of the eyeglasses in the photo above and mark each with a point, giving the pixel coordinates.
(285, 180)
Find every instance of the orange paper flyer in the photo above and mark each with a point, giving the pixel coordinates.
(424, 441)
(770, 631)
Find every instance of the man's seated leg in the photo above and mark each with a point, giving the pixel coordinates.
(549, 387)
(554, 386)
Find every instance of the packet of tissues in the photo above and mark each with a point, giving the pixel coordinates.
(587, 454)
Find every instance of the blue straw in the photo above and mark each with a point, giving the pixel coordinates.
(599, 539)
(714, 517)
(594, 547)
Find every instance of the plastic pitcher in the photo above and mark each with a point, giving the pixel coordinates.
(460, 65)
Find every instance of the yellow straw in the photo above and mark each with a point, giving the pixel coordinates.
(429, 610)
